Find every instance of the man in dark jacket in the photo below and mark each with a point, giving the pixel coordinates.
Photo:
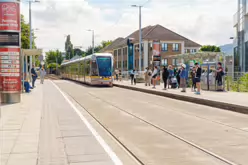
(34, 76)
(165, 76)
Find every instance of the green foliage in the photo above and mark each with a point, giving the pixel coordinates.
(53, 66)
(69, 48)
(240, 85)
(51, 57)
(98, 48)
(210, 48)
(25, 34)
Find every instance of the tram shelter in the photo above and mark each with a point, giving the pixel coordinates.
(26, 64)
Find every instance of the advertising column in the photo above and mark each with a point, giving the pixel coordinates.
(10, 77)
(156, 57)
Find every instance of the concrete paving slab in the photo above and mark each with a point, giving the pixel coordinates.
(43, 132)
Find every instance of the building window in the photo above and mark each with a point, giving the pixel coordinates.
(115, 53)
(175, 47)
(119, 52)
(193, 50)
(174, 61)
(164, 62)
(164, 47)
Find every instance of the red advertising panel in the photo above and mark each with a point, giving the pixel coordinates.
(9, 16)
(10, 80)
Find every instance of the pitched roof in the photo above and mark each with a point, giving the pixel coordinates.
(156, 32)
(113, 45)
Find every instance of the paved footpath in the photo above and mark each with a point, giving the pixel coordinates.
(228, 100)
(44, 129)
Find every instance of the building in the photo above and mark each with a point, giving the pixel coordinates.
(241, 40)
(170, 42)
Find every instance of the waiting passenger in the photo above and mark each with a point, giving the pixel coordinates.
(133, 76)
(120, 75)
(154, 76)
(198, 78)
(27, 86)
(183, 78)
(148, 75)
(219, 75)
(165, 77)
(193, 74)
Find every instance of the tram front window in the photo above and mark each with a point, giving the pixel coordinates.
(104, 66)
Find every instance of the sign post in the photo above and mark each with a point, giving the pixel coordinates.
(10, 68)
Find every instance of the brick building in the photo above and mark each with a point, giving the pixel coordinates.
(171, 43)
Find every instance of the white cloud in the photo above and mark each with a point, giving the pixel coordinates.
(204, 21)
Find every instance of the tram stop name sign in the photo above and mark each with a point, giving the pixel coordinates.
(10, 68)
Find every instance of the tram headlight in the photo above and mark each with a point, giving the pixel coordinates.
(100, 77)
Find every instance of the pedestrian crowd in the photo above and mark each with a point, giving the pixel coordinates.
(34, 76)
(175, 78)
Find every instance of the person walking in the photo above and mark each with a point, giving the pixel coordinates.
(34, 76)
(183, 77)
(42, 75)
(165, 76)
(154, 76)
(198, 78)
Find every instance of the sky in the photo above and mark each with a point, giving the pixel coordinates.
(203, 21)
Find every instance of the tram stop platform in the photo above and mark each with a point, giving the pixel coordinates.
(232, 101)
(47, 128)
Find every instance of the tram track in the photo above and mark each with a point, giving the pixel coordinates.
(222, 159)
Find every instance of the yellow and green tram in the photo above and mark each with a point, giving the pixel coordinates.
(95, 69)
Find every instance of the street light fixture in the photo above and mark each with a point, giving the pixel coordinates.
(140, 35)
(92, 39)
(30, 35)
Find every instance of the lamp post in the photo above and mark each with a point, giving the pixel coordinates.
(30, 35)
(93, 37)
(140, 35)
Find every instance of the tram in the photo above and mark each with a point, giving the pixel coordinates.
(95, 69)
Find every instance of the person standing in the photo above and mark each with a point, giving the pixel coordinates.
(219, 76)
(198, 78)
(42, 75)
(148, 75)
(133, 77)
(183, 77)
(154, 76)
(171, 75)
(165, 76)
(34, 76)
(178, 77)
(193, 75)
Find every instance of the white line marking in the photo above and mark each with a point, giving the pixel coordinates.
(111, 154)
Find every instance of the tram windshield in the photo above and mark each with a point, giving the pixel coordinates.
(104, 66)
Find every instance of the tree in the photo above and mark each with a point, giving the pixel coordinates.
(25, 34)
(53, 57)
(210, 48)
(69, 48)
(98, 47)
(78, 52)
